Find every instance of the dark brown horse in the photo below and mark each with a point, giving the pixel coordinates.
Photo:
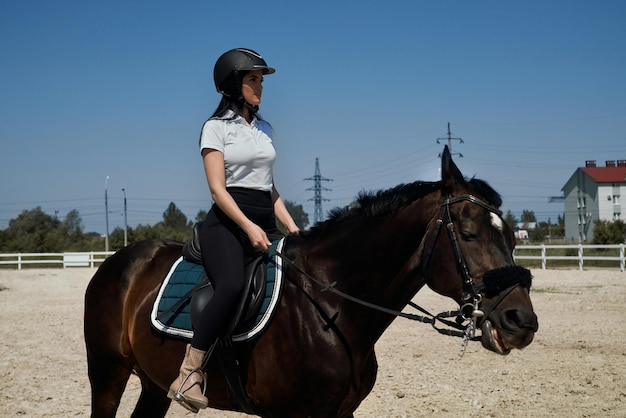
(316, 358)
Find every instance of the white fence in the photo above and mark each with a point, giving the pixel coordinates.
(547, 253)
(90, 259)
(544, 253)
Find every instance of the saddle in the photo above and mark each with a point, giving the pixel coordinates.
(254, 291)
(191, 249)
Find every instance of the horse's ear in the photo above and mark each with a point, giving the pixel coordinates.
(450, 174)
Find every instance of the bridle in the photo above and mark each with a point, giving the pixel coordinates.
(470, 309)
(494, 281)
(471, 294)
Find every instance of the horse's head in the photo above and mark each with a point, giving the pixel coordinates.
(468, 256)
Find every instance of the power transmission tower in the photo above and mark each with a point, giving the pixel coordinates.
(318, 189)
(450, 138)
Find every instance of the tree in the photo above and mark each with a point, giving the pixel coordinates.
(201, 215)
(33, 231)
(72, 232)
(510, 219)
(174, 225)
(37, 232)
(116, 238)
(298, 214)
(545, 230)
(142, 232)
(556, 230)
(73, 224)
(528, 216)
(609, 232)
(539, 232)
(174, 218)
(559, 229)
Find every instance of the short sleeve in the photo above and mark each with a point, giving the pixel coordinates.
(213, 135)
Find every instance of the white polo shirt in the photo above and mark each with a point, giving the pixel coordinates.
(248, 150)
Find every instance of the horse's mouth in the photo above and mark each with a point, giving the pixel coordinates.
(492, 340)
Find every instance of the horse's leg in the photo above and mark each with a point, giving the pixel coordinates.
(108, 380)
(109, 359)
(153, 401)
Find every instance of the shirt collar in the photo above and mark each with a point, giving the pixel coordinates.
(232, 116)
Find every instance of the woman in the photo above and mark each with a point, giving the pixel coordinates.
(237, 150)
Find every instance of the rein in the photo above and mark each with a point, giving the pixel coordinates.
(470, 309)
(429, 319)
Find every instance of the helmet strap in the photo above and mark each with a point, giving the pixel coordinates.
(253, 109)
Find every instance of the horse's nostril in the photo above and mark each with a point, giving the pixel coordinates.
(512, 316)
(518, 318)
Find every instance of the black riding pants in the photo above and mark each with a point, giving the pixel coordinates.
(224, 248)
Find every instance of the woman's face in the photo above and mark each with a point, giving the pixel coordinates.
(252, 87)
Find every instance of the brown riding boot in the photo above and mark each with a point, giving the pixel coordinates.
(188, 388)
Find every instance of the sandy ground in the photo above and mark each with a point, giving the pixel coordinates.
(576, 367)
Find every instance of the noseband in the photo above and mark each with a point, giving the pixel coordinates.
(500, 281)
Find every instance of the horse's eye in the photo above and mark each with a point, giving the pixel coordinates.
(468, 236)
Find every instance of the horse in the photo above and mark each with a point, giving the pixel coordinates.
(316, 358)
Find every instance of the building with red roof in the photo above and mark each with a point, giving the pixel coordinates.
(593, 193)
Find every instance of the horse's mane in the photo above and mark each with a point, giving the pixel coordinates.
(384, 203)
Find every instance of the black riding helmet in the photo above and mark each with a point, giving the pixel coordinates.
(228, 69)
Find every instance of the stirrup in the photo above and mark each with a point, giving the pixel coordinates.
(183, 402)
(202, 375)
(180, 396)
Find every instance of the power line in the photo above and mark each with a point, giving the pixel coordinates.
(317, 188)
(450, 138)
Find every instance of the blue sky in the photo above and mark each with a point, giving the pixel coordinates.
(121, 88)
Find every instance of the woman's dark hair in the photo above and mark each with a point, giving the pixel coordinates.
(226, 104)
(233, 101)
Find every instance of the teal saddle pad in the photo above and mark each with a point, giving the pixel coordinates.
(184, 276)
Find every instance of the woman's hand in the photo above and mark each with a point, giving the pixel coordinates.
(258, 237)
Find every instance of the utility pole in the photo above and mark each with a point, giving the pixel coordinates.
(106, 215)
(317, 188)
(125, 220)
(450, 138)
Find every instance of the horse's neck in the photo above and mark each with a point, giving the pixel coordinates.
(375, 264)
